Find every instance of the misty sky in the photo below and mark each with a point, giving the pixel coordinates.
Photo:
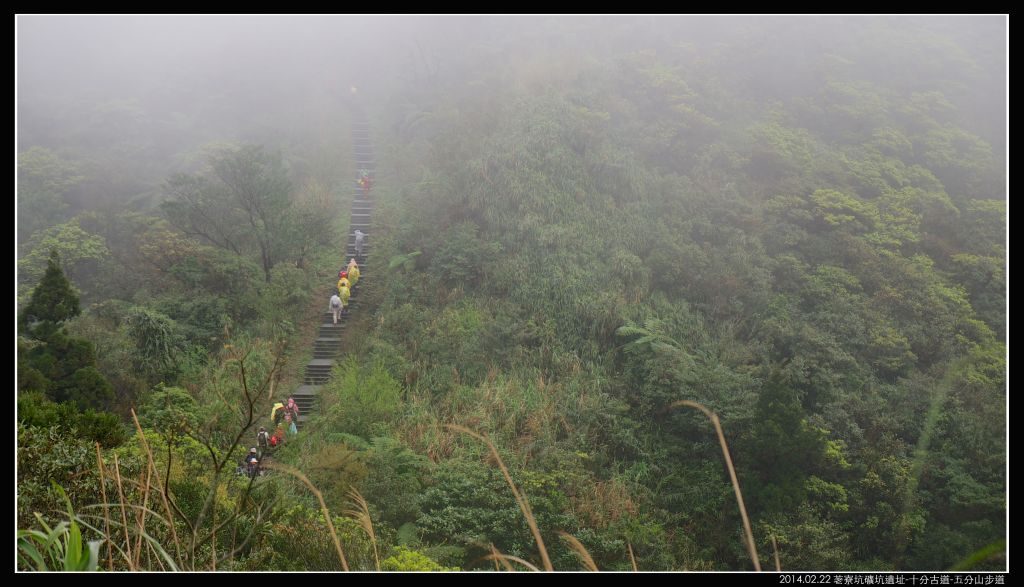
(175, 62)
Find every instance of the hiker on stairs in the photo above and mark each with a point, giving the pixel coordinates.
(360, 235)
(292, 415)
(335, 308)
(353, 271)
(364, 182)
(262, 443)
(344, 293)
(252, 465)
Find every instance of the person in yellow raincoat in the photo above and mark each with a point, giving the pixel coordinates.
(344, 292)
(278, 407)
(353, 271)
(343, 281)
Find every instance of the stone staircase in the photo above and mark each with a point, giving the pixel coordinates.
(327, 346)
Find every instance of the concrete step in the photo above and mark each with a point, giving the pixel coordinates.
(328, 334)
(306, 390)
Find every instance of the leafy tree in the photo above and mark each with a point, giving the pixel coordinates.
(782, 451)
(36, 410)
(408, 560)
(243, 204)
(44, 178)
(78, 251)
(87, 388)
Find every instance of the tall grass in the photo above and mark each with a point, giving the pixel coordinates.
(106, 510)
(578, 548)
(732, 475)
(361, 513)
(323, 506)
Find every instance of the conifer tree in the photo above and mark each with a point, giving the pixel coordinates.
(53, 300)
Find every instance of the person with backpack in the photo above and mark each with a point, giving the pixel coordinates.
(335, 308)
(343, 281)
(360, 235)
(262, 443)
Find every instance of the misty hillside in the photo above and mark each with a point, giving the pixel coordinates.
(588, 241)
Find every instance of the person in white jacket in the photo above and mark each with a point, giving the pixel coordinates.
(335, 307)
(360, 235)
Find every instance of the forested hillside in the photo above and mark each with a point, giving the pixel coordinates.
(798, 223)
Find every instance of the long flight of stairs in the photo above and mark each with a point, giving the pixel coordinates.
(327, 346)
